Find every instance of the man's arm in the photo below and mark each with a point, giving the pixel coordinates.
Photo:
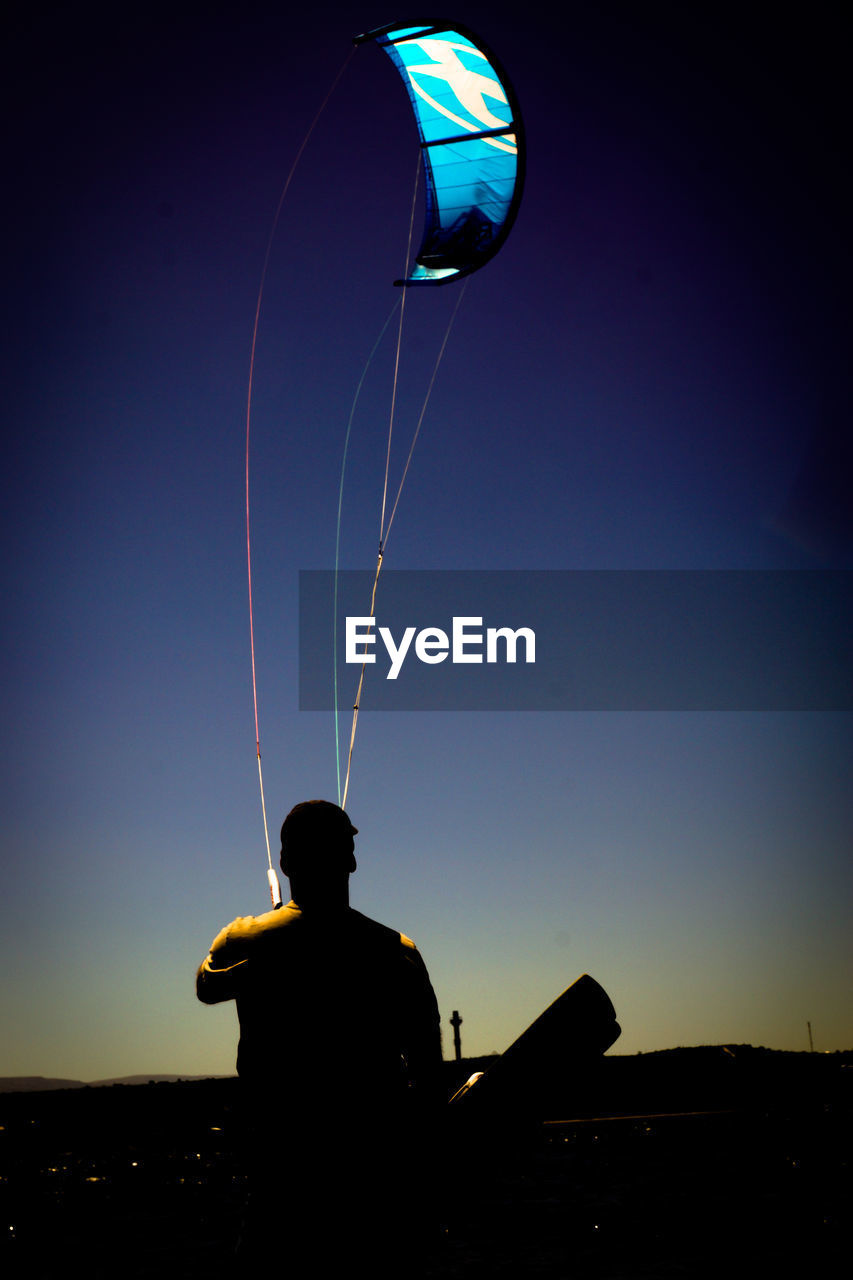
(220, 974)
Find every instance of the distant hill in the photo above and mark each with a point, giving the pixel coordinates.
(38, 1084)
(664, 1080)
(142, 1079)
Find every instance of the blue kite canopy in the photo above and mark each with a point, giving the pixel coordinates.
(472, 143)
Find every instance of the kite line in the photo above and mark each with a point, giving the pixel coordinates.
(272, 878)
(342, 796)
(384, 528)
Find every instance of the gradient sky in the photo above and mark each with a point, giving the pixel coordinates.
(652, 374)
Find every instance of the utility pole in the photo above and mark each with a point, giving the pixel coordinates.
(811, 1042)
(456, 1023)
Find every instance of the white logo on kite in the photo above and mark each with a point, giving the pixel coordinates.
(469, 87)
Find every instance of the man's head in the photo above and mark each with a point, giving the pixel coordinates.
(317, 848)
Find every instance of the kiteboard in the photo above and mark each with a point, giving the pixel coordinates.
(561, 1045)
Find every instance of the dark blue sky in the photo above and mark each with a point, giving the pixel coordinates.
(652, 374)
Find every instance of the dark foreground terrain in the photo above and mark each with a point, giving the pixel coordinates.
(686, 1163)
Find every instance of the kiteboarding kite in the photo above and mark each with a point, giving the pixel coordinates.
(472, 144)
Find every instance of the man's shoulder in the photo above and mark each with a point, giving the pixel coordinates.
(367, 924)
(245, 927)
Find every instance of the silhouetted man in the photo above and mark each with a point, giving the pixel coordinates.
(339, 1056)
